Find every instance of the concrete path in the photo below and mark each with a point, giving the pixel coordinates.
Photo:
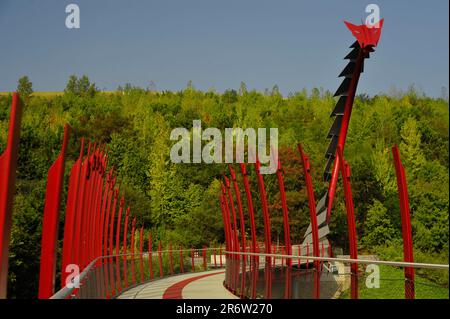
(199, 285)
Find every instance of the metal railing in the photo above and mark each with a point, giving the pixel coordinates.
(262, 275)
(109, 276)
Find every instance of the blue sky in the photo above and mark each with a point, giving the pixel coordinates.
(217, 44)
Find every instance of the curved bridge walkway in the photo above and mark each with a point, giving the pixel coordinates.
(199, 285)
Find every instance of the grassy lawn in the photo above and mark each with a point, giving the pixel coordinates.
(392, 287)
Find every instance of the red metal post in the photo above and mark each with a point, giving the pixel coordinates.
(110, 250)
(242, 258)
(254, 270)
(226, 220)
(268, 281)
(105, 203)
(141, 250)
(55, 180)
(406, 223)
(106, 225)
(233, 211)
(70, 218)
(99, 172)
(288, 284)
(105, 197)
(77, 243)
(111, 224)
(240, 210)
(225, 227)
(108, 214)
(313, 217)
(107, 218)
(96, 208)
(352, 235)
(119, 220)
(124, 243)
(287, 231)
(8, 168)
(150, 255)
(89, 253)
(265, 209)
(133, 274)
(86, 211)
(249, 206)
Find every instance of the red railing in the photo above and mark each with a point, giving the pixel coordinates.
(8, 168)
(95, 206)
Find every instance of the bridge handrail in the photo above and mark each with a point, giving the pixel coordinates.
(65, 292)
(348, 260)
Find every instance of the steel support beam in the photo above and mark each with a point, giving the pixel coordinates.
(406, 223)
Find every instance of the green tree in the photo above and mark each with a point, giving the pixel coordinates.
(80, 86)
(378, 229)
(166, 190)
(229, 96)
(410, 146)
(71, 86)
(25, 87)
(85, 86)
(383, 169)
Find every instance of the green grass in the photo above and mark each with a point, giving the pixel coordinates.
(392, 286)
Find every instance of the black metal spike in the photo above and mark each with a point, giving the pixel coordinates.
(322, 203)
(336, 127)
(353, 54)
(355, 45)
(340, 106)
(332, 147)
(343, 88)
(326, 176)
(348, 70)
(328, 165)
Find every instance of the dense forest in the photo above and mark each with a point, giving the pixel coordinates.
(179, 202)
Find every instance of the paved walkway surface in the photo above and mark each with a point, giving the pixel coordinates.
(200, 285)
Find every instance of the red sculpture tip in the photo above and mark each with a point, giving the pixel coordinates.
(365, 34)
